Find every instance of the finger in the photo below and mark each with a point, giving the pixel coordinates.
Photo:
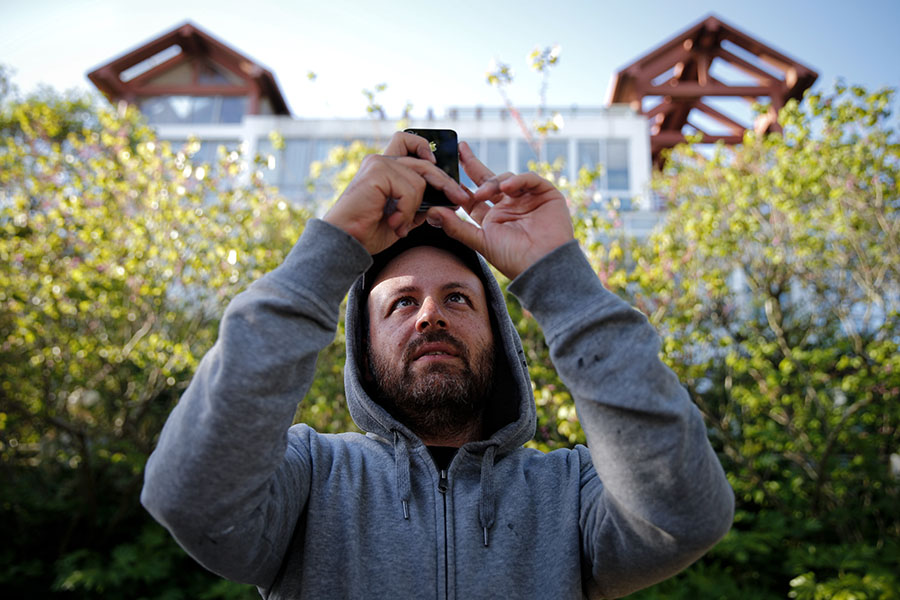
(525, 183)
(492, 187)
(404, 230)
(473, 167)
(406, 196)
(402, 188)
(409, 144)
(390, 207)
(439, 179)
(479, 211)
(459, 229)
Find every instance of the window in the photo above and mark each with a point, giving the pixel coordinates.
(550, 151)
(617, 164)
(526, 155)
(612, 156)
(209, 149)
(202, 110)
(464, 179)
(556, 149)
(194, 109)
(295, 167)
(323, 148)
(233, 109)
(496, 156)
(147, 64)
(588, 154)
(290, 166)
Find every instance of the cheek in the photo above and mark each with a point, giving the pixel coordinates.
(389, 342)
(479, 333)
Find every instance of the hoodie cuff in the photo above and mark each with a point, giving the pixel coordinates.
(327, 256)
(559, 287)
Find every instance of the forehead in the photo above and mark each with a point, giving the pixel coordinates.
(423, 266)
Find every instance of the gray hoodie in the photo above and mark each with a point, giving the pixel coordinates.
(302, 514)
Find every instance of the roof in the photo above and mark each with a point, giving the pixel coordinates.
(217, 69)
(678, 75)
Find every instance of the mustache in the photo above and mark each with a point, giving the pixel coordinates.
(430, 337)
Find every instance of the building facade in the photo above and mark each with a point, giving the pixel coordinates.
(191, 85)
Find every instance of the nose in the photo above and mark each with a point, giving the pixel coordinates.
(429, 316)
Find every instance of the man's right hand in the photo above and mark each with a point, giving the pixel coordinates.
(380, 205)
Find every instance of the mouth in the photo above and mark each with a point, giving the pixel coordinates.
(434, 352)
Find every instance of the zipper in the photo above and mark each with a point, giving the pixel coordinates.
(443, 486)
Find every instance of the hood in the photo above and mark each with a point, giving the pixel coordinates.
(510, 414)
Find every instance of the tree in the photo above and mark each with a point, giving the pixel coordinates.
(118, 254)
(775, 281)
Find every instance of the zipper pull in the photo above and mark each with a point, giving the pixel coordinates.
(443, 484)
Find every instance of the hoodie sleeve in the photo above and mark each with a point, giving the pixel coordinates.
(656, 497)
(226, 478)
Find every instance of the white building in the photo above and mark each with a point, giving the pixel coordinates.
(189, 84)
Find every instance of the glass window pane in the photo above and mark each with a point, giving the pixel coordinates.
(617, 164)
(588, 154)
(167, 109)
(477, 149)
(202, 109)
(272, 160)
(496, 156)
(295, 169)
(555, 149)
(526, 154)
(209, 150)
(323, 146)
(233, 109)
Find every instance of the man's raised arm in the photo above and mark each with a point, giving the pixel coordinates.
(654, 496)
(225, 478)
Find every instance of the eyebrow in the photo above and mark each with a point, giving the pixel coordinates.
(452, 285)
(411, 289)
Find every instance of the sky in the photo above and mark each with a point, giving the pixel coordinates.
(435, 54)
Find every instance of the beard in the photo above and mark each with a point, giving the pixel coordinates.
(437, 399)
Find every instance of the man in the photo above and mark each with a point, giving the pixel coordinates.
(439, 499)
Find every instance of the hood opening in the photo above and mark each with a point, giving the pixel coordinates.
(511, 404)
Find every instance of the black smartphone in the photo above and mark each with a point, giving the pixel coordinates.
(444, 144)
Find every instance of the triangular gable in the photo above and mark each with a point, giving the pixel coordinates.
(188, 62)
(672, 83)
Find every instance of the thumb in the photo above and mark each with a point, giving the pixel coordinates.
(459, 229)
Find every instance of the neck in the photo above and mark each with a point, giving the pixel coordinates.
(471, 432)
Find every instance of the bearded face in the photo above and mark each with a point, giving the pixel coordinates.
(434, 398)
(430, 345)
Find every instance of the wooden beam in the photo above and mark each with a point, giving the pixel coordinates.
(733, 125)
(191, 90)
(699, 129)
(667, 139)
(762, 76)
(156, 71)
(766, 53)
(703, 62)
(663, 107)
(695, 90)
(661, 63)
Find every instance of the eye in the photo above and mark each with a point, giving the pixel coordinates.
(457, 298)
(402, 303)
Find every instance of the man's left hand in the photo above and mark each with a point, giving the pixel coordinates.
(522, 217)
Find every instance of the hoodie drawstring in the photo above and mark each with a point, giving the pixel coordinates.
(487, 503)
(486, 507)
(401, 466)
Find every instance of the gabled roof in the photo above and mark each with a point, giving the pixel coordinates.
(215, 69)
(677, 75)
